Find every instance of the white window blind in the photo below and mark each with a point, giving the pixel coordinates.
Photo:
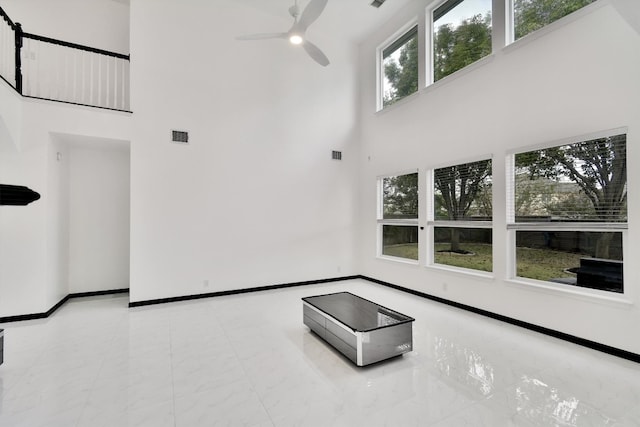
(583, 181)
(462, 192)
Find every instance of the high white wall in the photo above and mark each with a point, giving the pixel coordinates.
(22, 229)
(255, 198)
(102, 24)
(579, 78)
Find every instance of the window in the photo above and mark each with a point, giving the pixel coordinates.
(461, 218)
(461, 35)
(400, 68)
(531, 15)
(398, 216)
(568, 211)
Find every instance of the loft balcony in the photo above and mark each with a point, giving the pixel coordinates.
(45, 68)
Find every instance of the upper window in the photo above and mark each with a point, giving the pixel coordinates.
(531, 15)
(461, 217)
(398, 216)
(400, 68)
(569, 212)
(461, 35)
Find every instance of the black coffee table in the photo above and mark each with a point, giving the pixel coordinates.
(365, 332)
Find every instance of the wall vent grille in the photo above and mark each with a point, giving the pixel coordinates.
(336, 155)
(180, 136)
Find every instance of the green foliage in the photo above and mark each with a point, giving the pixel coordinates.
(400, 196)
(598, 169)
(479, 258)
(545, 264)
(539, 264)
(403, 73)
(457, 47)
(409, 250)
(572, 206)
(531, 15)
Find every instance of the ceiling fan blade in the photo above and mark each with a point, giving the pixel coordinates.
(262, 36)
(311, 13)
(315, 53)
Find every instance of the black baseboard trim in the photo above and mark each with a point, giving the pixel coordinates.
(624, 354)
(634, 357)
(240, 291)
(34, 316)
(99, 293)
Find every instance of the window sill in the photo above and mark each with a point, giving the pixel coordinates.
(585, 294)
(460, 73)
(467, 272)
(398, 260)
(401, 101)
(443, 81)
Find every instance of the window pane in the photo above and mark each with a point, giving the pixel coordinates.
(461, 35)
(568, 257)
(531, 15)
(400, 68)
(400, 197)
(584, 181)
(463, 192)
(400, 241)
(464, 247)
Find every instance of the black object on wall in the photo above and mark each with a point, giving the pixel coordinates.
(17, 195)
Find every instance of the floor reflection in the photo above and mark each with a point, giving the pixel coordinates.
(464, 365)
(539, 402)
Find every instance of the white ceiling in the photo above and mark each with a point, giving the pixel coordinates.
(351, 20)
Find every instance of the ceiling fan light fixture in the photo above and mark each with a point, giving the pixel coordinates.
(296, 39)
(297, 32)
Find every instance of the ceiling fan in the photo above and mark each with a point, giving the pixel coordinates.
(296, 34)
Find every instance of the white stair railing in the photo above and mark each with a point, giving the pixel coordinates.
(46, 68)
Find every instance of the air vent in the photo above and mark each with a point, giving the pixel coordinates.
(377, 3)
(180, 136)
(336, 155)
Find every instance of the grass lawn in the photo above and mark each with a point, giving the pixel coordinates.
(540, 264)
(545, 264)
(479, 259)
(409, 250)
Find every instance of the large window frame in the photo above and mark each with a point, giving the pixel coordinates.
(515, 226)
(465, 224)
(434, 13)
(502, 35)
(383, 221)
(389, 47)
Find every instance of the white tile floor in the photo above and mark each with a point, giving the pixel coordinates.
(247, 360)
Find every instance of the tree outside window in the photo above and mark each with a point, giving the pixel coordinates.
(398, 216)
(570, 202)
(462, 213)
(531, 15)
(461, 35)
(400, 68)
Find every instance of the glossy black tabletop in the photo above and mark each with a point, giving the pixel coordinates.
(355, 312)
